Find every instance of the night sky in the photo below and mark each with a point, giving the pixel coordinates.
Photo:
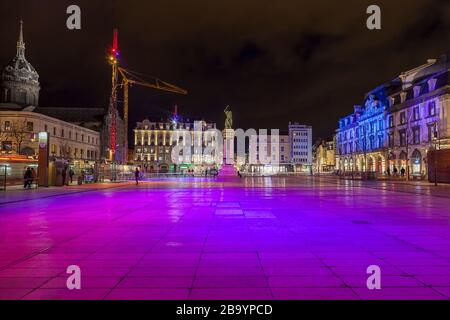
(271, 61)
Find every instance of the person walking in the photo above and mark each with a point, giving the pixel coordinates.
(71, 174)
(136, 176)
(402, 172)
(26, 178)
(395, 171)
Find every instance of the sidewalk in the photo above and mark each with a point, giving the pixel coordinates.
(411, 186)
(18, 193)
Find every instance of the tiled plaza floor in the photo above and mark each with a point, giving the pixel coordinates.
(255, 238)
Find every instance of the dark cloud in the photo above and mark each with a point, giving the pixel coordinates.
(273, 62)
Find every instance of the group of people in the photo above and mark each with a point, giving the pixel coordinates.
(28, 177)
(64, 175)
(395, 171)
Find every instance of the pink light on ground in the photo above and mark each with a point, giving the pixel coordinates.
(227, 239)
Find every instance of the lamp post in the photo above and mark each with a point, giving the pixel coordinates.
(436, 142)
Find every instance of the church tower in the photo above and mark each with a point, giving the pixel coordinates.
(19, 81)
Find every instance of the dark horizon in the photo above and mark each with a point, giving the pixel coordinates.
(272, 64)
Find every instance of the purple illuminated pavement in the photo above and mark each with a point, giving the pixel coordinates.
(255, 238)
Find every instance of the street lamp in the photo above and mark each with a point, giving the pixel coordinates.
(436, 141)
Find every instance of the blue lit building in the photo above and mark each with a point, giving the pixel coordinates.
(399, 122)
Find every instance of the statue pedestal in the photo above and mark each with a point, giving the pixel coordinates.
(228, 146)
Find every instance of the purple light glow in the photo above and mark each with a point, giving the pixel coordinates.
(227, 239)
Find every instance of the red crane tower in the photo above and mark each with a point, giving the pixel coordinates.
(128, 78)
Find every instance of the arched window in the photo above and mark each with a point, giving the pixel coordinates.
(6, 96)
(22, 96)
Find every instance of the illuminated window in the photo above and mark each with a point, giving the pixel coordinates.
(403, 117)
(391, 140)
(7, 125)
(416, 135)
(402, 138)
(416, 113)
(432, 109)
(391, 121)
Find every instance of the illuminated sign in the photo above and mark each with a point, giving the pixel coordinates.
(43, 139)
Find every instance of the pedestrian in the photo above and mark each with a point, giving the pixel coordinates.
(71, 174)
(64, 175)
(395, 171)
(402, 172)
(27, 178)
(136, 176)
(389, 171)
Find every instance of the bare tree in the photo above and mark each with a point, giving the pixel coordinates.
(4, 135)
(19, 133)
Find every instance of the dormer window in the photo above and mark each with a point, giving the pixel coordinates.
(391, 101)
(431, 85)
(402, 96)
(416, 91)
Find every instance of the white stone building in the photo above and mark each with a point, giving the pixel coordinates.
(19, 131)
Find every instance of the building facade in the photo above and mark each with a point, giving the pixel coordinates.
(19, 132)
(300, 137)
(324, 156)
(276, 151)
(154, 142)
(399, 123)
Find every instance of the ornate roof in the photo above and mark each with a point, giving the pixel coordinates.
(19, 69)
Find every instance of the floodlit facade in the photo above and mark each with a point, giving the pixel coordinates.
(399, 123)
(324, 156)
(154, 142)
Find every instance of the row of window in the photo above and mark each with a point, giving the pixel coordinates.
(75, 152)
(378, 125)
(173, 126)
(21, 97)
(429, 110)
(300, 140)
(300, 153)
(300, 134)
(145, 150)
(404, 139)
(8, 126)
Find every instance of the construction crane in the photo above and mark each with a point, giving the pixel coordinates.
(129, 78)
(132, 78)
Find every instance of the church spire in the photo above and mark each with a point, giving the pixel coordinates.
(20, 43)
